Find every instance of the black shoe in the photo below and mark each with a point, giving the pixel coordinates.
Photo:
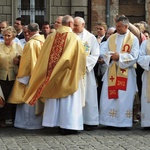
(67, 131)
(90, 127)
(117, 128)
(146, 128)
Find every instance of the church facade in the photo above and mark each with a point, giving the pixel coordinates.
(93, 11)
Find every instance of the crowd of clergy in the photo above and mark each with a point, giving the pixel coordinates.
(64, 76)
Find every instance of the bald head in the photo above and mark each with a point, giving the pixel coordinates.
(79, 24)
(3, 25)
(68, 21)
(33, 28)
(110, 31)
(79, 19)
(58, 22)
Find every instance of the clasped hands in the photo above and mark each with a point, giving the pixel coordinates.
(114, 56)
(100, 60)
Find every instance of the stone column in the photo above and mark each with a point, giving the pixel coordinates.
(147, 12)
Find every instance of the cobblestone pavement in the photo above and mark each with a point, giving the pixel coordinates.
(102, 138)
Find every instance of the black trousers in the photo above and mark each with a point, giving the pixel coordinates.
(139, 72)
(9, 110)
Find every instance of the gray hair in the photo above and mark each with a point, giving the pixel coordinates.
(25, 27)
(66, 19)
(10, 29)
(123, 19)
(79, 19)
(112, 28)
(33, 27)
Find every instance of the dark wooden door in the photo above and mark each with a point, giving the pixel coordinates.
(133, 9)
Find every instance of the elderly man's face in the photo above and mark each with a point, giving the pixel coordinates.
(2, 26)
(78, 26)
(58, 23)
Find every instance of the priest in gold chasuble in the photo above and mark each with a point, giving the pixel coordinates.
(57, 78)
(25, 115)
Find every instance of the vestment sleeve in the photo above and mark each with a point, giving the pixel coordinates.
(144, 59)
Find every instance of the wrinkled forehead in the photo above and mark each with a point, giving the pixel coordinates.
(59, 20)
(77, 22)
(120, 23)
(7, 32)
(3, 25)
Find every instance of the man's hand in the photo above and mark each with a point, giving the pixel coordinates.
(101, 61)
(115, 56)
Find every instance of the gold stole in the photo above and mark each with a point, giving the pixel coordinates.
(117, 78)
(148, 74)
(55, 54)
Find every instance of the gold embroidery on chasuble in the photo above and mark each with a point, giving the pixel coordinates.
(55, 54)
(129, 113)
(113, 113)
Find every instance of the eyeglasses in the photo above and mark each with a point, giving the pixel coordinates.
(17, 23)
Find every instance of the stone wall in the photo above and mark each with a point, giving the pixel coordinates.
(70, 7)
(147, 11)
(6, 10)
(99, 12)
(59, 8)
(54, 8)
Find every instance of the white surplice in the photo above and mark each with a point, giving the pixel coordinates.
(25, 114)
(144, 62)
(90, 110)
(118, 112)
(65, 112)
(26, 119)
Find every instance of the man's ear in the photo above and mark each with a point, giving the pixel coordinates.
(127, 26)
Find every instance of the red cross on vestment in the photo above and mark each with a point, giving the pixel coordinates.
(122, 70)
(112, 78)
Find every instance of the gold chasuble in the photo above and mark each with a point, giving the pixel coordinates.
(29, 57)
(148, 74)
(117, 78)
(60, 66)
